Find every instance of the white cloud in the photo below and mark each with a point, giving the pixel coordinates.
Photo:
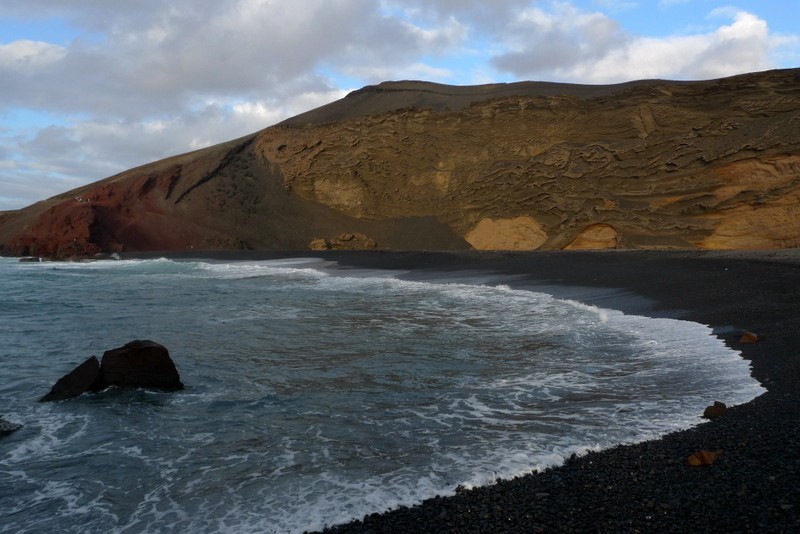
(310, 100)
(16, 192)
(265, 114)
(571, 45)
(152, 64)
(25, 55)
(550, 41)
(153, 79)
(59, 158)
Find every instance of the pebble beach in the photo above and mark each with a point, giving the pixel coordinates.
(650, 486)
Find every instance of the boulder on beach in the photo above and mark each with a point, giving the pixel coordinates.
(717, 409)
(7, 427)
(138, 364)
(703, 458)
(83, 378)
(749, 338)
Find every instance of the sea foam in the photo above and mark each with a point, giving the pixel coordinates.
(317, 394)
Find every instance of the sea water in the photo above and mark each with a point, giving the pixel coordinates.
(314, 395)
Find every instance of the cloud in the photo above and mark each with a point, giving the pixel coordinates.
(16, 193)
(541, 41)
(478, 14)
(183, 50)
(146, 79)
(139, 80)
(572, 45)
(24, 55)
(62, 157)
(153, 65)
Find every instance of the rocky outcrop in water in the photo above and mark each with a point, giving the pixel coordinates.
(138, 364)
(412, 165)
(7, 427)
(85, 377)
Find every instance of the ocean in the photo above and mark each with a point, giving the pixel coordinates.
(316, 395)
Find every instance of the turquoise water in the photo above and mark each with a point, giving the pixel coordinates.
(316, 395)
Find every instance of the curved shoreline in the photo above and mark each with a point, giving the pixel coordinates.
(647, 486)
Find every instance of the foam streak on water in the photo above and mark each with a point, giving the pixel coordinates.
(314, 398)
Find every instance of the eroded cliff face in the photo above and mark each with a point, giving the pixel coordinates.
(688, 165)
(643, 165)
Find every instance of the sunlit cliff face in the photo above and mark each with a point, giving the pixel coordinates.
(644, 165)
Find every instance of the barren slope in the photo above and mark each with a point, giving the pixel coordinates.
(410, 165)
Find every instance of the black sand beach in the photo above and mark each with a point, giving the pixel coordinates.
(648, 487)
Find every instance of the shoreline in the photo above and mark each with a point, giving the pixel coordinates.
(647, 486)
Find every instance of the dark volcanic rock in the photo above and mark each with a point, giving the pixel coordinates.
(717, 409)
(83, 378)
(7, 427)
(138, 364)
(145, 364)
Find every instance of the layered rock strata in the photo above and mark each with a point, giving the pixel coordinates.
(411, 165)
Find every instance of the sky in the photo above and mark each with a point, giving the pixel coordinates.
(89, 88)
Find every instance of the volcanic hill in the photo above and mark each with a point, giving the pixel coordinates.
(414, 165)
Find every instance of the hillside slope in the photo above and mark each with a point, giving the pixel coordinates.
(413, 165)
